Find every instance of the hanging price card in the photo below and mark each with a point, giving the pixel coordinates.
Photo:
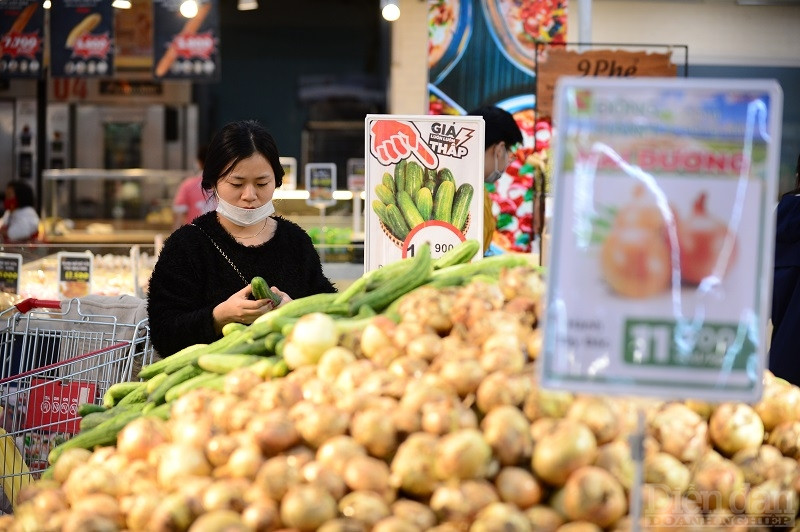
(10, 268)
(74, 274)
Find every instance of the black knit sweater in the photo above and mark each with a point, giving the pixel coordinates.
(191, 277)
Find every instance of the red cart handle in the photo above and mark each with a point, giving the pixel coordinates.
(26, 305)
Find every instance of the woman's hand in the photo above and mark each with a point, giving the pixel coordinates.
(283, 295)
(239, 308)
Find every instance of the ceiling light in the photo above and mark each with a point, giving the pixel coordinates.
(247, 5)
(189, 8)
(121, 4)
(390, 9)
(46, 4)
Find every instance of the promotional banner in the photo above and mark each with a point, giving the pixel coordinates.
(483, 52)
(423, 184)
(21, 38)
(82, 38)
(660, 270)
(186, 48)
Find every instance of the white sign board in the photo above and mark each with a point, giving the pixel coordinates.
(660, 267)
(289, 165)
(424, 183)
(74, 274)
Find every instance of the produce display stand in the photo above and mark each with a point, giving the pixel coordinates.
(53, 358)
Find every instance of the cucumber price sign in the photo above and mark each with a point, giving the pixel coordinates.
(423, 184)
(660, 269)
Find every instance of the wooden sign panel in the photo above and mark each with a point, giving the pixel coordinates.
(558, 62)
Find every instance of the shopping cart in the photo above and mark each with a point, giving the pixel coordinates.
(54, 357)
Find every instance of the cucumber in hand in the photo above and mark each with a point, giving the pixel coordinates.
(261, 290)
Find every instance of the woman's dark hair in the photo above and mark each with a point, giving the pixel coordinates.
(23, 192)
(235, 142)
(499, 126)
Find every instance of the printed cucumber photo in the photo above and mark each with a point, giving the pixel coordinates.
(413, 195)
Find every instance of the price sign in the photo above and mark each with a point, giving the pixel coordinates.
(423, 183)
(441, 236)
(10, 268)
(320, 183)
(289, 165)
(54, 405)
(660, 266)
(74, 274)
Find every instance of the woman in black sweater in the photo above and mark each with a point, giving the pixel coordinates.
(202, 278)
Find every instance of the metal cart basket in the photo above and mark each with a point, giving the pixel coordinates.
(54, 356)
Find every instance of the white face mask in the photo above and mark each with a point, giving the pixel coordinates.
(241, 216)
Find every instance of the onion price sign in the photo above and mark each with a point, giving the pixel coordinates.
(660, 267)
(424, 183)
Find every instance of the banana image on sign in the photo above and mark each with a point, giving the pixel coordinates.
(84, 27)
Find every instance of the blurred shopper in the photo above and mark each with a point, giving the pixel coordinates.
(191, 200)
(20, 221)
(784, 354)
(501, 134)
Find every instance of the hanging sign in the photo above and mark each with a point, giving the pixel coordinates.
(355, 175)
(10, 269)
(186, 48)
(82, 38)
(557, 62)
(289, 165)
(424, 183)
(660, 266)
(320, 184)
(74, 274)
(21, 38)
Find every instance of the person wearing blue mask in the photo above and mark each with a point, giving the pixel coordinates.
(501, 134)
(201, 281)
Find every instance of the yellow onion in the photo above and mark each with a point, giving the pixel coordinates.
(366, 473)
(593, 494)
(542, 402)
(463, 375)
(500, 388)
(138, 508)
(76, 521)
(600, 414)
(786, 438)
(332, 361)
(178, 461)
(717, 484)
(779, 403)
(244, 462)
(460, 502)
(500, 516)
(377, 334)
(68, 460)
(315, 472)
(86, 479)
(240, 381)
(366, 507)
(543, 518)
(518, 486)
(414, 512)
(312, 335)
(336, 451)
(375, 430)
(758, 463)
(508, 433)
(615, 457)
(226, 520)
(343, 524)
(771, 498)
(273, 431)
(680, 431)
(463, 454)
(413, 464)
(140, 436)
(174, 512)
(276, 393)
(441, 417)
(568, 447)
(735, 426)
(394, 524)
(277, 475)
(663, 469)
(261, 515)
(306, 507)
(322, 422)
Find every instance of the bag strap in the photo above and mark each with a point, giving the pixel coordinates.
(224, 255)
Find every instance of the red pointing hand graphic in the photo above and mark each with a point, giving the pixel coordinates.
(394, 140)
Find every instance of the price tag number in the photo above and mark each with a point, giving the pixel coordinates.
(441, 236)
(76, 276)
(9, 275)
(709, 345)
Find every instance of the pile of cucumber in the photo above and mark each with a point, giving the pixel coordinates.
(259, 346)
(415, 195)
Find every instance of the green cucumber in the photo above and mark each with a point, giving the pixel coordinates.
(158, 395)
(409, 209)
(85, 409)
(231, 327)
(458, 254)
(221, 363)
(261, 290)
(116, 392)
(443, 202)
(190, 384)
(461, 202)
